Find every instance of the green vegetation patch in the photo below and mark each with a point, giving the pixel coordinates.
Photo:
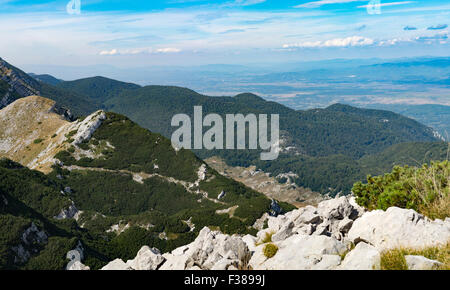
(425, 189)
(270, 250)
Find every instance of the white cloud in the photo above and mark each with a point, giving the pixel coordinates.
(109, 52)
(389, 4)
(139, 51)
(168, 50)
(316, 4)
(244, 2)
(337, 42)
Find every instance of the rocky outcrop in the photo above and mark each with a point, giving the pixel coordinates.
(398, 227)
(337, 234)
(33, 131)
(146, 259)
(211, 250)
(301, 252)
(68, 213)
(363, 257)
(87, 127)
(32, 239)
(76, 256)
(117, 264)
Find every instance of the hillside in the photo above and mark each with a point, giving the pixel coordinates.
(123, 185)
(15, 84)
(328, 149)
(321, 146)
(46, 78)
(98, 89)
(33, 131)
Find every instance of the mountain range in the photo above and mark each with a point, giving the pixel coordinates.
(327, 150)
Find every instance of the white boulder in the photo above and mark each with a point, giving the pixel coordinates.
(421, 263)
(146, 259)
(362, 257)
(117, 264)
(398, 227)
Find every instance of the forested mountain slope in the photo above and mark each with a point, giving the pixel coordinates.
(123, 185)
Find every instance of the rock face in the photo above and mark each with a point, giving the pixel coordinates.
(398, 227)
(88, 126)
(309, 238)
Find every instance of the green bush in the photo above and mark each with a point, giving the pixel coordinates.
(424, 189)
(270, 250)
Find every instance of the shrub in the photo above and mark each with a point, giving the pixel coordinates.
(83, 146)
(270, 250)
(37, 141)
(71, 133)
(424, 189)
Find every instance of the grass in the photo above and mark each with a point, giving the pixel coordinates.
(270, 250)
(267, 239)
(395, 259)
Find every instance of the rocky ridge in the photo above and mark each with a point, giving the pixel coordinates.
(33, 130)
(20, 85)
(335, 235)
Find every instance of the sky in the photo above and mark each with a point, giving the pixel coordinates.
(190, 32)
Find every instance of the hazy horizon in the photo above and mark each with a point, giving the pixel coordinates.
(196, 32)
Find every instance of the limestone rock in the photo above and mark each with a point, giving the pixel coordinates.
(421, 263)
(77, 266)
(250, 241)
(210, 250)
(117, 264)
(308, 215)
(146, 259)
(284, 233)
(88, 127)
(362, 257)
(68, 213)
(300, 252)
(398, 227)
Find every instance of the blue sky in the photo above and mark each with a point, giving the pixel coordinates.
(189, 32)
